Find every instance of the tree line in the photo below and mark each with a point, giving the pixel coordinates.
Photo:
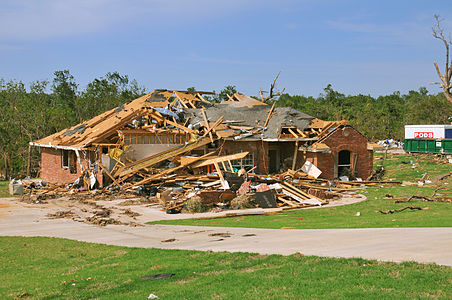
(29, 113)
(43, 108)
(376, 117)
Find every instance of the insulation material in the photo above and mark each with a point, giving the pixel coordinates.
(310, 169)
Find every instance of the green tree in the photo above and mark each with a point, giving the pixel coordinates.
(223, 95)
(106, 93)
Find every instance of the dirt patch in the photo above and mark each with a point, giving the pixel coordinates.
(4, 205)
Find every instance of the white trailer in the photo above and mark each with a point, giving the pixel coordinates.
(428, 131)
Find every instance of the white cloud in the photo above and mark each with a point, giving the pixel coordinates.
(26, 19)
(40, 19)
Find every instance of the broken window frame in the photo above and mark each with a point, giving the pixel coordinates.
(247, 162)
(65, 159)
(68, 161)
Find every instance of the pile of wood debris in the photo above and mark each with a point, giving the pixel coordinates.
(178, 176)
(184, 188)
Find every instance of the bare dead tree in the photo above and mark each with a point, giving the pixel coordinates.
(438, 33)
(272, 87)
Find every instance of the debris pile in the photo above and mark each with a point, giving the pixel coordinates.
(168, 147)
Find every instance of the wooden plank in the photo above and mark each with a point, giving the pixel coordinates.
(269, 114)
(224, 184)
(203, 112)
(241, 127)
(301, 133)
(217, 122)
(180, 126)
(202, 98)
(159, 157)
(295, 191)
(168, 171)
(251, 170)
(294, 162)
(212, 161)
(230, 165)
(293, 133)
(180, 99)
(108, 173)
(290, 203)
(293, 196)
(298, 191)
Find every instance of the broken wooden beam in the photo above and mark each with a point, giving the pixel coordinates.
(169, 171)
(159, 157)
(219, 159)
(269, 114)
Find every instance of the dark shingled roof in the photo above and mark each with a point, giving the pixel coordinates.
(253, 114)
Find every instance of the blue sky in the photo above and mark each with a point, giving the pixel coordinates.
(368, 47)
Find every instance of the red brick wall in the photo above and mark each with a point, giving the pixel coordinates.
(338, 141)
(259, 148)
(323, 161)
(52, 170)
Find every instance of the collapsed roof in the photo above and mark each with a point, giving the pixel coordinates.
(242, 111)
(242, 117)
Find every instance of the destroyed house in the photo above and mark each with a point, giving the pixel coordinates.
(172, 130)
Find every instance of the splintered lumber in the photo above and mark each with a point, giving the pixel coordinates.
(179, 126)
(219, 159)
(241, 127)
(290, 203)
(293, 196)
(212, 128)
(168, 171)
(224, 184)
(325, 130)
(108, 173)
(113, 125)
(202, 98)
(203, 112)
(269, 114)
(159, 157)
(300, 193)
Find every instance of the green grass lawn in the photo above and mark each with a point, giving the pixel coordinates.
(50, 268)
(4, 192)
(398, 168)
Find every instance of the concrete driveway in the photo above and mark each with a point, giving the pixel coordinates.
(387, 244)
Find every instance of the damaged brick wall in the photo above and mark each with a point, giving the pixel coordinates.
(323, 161)
(259, 148)
(346, 138)
(52, 169)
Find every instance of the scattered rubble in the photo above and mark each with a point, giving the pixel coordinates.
(191, 171)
